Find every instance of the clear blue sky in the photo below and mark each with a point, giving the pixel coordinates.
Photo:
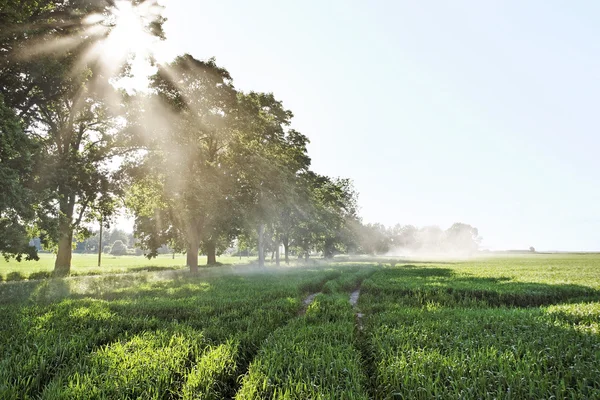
(483, 112)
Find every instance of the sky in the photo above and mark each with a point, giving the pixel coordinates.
(466, 111)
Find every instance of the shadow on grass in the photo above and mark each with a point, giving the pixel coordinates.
(418, 286)
(502, 350)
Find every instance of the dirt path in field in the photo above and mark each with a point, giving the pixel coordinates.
(307, 302)
(354, 297)
(353, 300)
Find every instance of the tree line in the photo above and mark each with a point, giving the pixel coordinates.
(459, 239)
(196, 161)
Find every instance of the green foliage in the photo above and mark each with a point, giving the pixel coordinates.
(16, 164)
(64, 99)
(312, 357)
(15, 276)
(154, 362)
(40, 275)
(452, 353)
(118, 248)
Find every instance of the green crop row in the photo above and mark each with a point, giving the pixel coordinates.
(483, 353)
(418, 286)
(424, 342)
(313, 357)
(132, 337)
(432, 331)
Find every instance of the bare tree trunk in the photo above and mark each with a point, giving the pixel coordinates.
(277, 255)
(192, 255)
(286, 250)
(62, 265)
(211, 253)
(261, 245)
(100, 243)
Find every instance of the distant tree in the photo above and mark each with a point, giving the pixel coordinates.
(532, 249)
(374, 239)
(116, 234)
(118, 248)
(462, 238)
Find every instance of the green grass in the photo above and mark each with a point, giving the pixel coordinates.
(86, 264)
(515, 327)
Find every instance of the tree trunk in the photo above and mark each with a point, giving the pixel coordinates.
(277, 255)
(192, 255)
(286, 250)
(328, 249)
(211, 253)
(62, 265)
(261, 245)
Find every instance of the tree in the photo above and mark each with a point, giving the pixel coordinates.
(268, 158)
(118, 248)
(184, 174)
(16, 165)
(338, 201)
(117, 234)
(462, 238)
(375, 239)
(61, 97)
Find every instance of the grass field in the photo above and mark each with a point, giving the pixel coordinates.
(501, 328)
(85, 264)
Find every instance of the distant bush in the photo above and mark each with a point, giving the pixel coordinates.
(40, 275)
(118, 248)
(15, 276)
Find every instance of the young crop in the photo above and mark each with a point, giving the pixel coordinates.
(510, 329)
(434, 334)
(315, 356)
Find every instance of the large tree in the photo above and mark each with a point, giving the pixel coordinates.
(57, 82)
(269, 158)
(186, 162)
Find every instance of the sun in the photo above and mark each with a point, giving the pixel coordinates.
(130, 33)
(130, 42)
(119, 36)
(123, 37)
